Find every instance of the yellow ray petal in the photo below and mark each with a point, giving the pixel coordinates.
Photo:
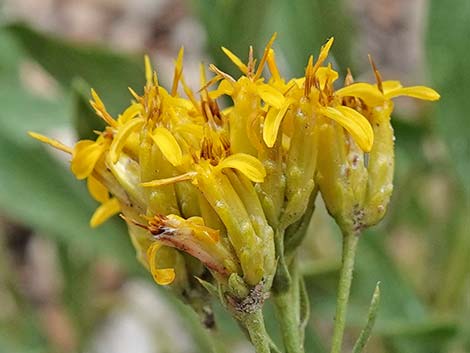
(273, 122)
(420, 92)
(85, 155)
(120, 139)
(51, 142)
(236, 60)
(162, 276)
(104, 212)
(167, 143)
(131, 112)
(355, 123)
(270, 95)
(97, 190)
(167, 181)
(246, 164)
(390, 85)
(225, 87)
(370, 94)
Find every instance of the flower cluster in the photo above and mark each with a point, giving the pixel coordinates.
(212, 193)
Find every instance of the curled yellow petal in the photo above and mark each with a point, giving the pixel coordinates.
(246, 164)
(162, 276)
(97, 190)
(355, 123)
(167, 143)
(104, 212)
(420, 92)
(120, 139)
(236, 60)
(370, 94)
(273, 122)
(85, 155)
(270, 95)
(51, 142)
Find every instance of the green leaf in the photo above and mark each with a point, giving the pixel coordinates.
(398, 299)
(234, 24)
(305, 25)
(367, 330)
(109, 73)
(448, 33)
(21, 110)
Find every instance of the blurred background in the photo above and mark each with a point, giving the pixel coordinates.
(67, 288)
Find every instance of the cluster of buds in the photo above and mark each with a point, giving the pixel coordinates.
(210, 193)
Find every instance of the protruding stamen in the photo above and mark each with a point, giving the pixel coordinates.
(168, 181)
(251, 62)
(236, 60)
(51, 142)
(148, 70)
(271, 60)
(100, 109)
(178, 72)
(308, 77)
(349, 79)
(378, 78)
(266, 53)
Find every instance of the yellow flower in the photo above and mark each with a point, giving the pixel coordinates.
(207, 174)
(207, 191)
(247, 93)
(357, 187)
(318, 90)
(193, 237)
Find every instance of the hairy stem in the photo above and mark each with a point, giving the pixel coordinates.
(254, 324)
(350, 241)
(288, 307)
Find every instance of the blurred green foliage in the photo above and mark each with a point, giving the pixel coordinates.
(425, 315)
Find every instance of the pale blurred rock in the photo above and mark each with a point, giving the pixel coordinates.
(144, 323)
(83, 21)
(42, 279)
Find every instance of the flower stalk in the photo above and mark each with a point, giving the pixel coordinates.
(254, 324)
(350, 241)
(288, 312)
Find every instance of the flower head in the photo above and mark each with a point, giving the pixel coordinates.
(207, 192)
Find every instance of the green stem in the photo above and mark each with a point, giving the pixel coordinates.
(350, 241)
(287, 305)
(254, 323)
